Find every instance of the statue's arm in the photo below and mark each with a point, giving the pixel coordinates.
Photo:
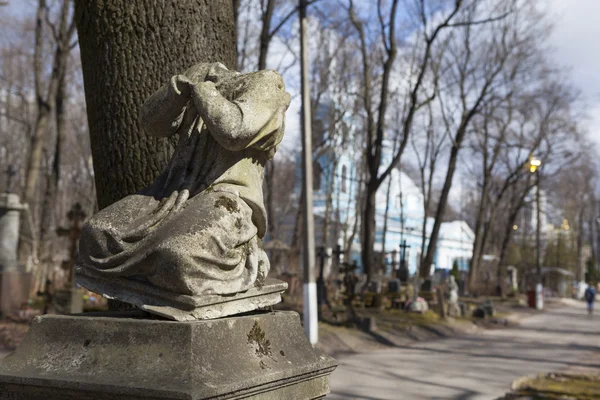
(162, 113)
(235, 123)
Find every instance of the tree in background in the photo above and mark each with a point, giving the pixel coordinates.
(43, 128)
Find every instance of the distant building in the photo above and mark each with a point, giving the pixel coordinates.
(336, 172)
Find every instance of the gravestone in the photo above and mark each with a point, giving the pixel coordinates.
(419, 305)
(513, 278)
(374, 287)
(426, 286)
(187, 251)
(403, 272)
(69, 300)
(350, 280)
(394, 286)
(485, 310)
(14, 281)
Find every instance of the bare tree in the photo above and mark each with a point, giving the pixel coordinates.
(474, 61)
(428, 24)
(47, 93)
(428, 149)
(544, 126)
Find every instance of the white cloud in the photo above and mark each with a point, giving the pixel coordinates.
(576, 40)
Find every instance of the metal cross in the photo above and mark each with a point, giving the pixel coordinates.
(337, 253)
(76, 215)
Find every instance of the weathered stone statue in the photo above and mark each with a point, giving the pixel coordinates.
(453, 308)
(190, 245)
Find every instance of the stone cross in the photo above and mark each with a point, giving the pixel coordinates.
(337, 253)
(403, 268)
(76, 216)
(350, 278)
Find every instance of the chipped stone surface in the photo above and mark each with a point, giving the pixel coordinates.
(182, 307)
(198, 229)
(101, 358)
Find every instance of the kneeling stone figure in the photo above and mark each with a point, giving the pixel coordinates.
(189, 246)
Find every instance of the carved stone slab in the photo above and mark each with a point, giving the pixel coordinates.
(182, 307)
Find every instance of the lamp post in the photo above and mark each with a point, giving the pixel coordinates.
(534, 168)
(309, 286)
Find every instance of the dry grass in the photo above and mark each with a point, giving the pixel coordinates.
(556, 386)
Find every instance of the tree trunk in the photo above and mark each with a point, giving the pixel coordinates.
(508, 232)
(580, 232)
(478, 242)
(269, 203)
(128, 50)
(441, 208)
(46, 98)
(349, 240)
(265, 36)
(329, 206)
(385, 224)
(369, 226)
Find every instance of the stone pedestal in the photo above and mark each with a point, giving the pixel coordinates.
(14, 283)
(10, 209)
(259, 356)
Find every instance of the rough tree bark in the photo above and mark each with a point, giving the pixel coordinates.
(129, 48)
(514, 210)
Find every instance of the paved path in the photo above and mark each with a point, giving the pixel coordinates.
(475, 367)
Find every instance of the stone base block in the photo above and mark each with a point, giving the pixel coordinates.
(259, 356)
(183, 307)
(14, 291)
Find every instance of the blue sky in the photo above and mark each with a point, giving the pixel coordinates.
(576, 42)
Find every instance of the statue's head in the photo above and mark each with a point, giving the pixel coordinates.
(452, 279)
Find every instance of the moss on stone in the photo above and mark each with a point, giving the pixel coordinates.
(227, 203)
(257, 337)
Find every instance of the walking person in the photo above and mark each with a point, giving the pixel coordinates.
(590, 297)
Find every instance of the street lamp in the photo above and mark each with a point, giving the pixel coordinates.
(534, 168)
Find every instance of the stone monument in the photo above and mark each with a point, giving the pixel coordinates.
(14, 281)
(69, 300)
(187, 252)
(453, 308)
